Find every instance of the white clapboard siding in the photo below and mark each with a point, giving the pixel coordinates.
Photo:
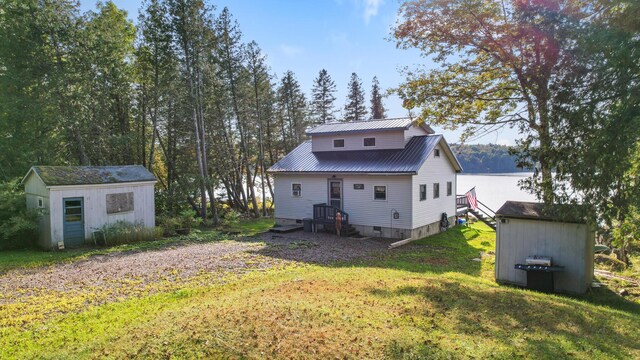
(95, 206)
(414, 131)
(434, 170)
(359, 204)
(392, 139)
(569, 244)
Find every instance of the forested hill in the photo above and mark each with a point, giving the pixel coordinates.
(485, 158)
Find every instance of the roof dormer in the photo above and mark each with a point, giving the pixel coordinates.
(366, 135)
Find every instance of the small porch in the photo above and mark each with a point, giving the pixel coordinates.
(330, 218)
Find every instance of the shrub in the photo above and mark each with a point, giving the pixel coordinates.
(610, 262)
(185, 220)
(231, 218)
(123, 232)
(18, 226)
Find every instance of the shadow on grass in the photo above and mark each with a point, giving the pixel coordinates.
(544, 321)
(451, 251)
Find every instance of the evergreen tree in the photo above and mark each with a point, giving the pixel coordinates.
(292, 106)
(355, 108)
(323, 98)
(377, 108)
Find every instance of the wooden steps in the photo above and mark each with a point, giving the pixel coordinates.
(491, 222)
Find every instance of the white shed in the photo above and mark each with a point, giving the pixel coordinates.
(74, 201)
(528, 230)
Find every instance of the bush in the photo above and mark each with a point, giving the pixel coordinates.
(185, 220)
(123, 232)
(610, 262)
(231, 218)
(18, 226)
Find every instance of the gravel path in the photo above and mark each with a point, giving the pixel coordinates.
(119, 275)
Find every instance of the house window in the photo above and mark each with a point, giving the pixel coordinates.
(449, 188)
(369, 141)
(436, 152)
(379, 192)
(296, 190)
(423, 192)
(358, 186)
(338, 143)
(40, 203)
(436, 190)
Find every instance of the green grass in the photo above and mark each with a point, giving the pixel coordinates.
(427, 301)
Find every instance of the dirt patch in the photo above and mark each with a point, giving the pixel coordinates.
(435, 261)
(117, 276)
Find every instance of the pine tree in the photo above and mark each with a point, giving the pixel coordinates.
(377, 108)
(323, 98)
(355, 109)
(292, 106)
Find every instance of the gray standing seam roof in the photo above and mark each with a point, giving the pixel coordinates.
(91, 175)
(538, 211)
(361, 126)
(402, 161)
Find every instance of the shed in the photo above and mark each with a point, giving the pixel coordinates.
(526, 229)
(74, 201)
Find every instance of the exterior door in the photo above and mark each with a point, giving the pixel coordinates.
(73, 221)
(335, 193)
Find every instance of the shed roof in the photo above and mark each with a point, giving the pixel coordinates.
(400, 161)
(91, 175)
(365, 126)
(538, 211)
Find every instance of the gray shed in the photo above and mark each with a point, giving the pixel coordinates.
(74, 201)
(526, 230)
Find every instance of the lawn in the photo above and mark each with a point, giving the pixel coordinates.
(429, 299)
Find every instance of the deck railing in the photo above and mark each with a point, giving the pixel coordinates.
(326, 214)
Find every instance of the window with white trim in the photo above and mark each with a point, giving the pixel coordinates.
(436, 190)
(40, 202)
(371, 141)
(296, 190)
(449, 188)
(423, 192)
(338, 143)
(380, 193)
(436, 152)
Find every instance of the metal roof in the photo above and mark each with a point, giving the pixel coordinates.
(538, 211)
(401, 161)
(91, 175)
(365, 126)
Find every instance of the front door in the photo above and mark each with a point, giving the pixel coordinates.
(335, 193)
(73, 221)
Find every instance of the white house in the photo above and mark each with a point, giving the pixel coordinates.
(76, 200)
(391, 177)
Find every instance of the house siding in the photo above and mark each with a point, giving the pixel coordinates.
(393, 139)
(414, 131)
(434, 170)
(359, 204)
(95, 207)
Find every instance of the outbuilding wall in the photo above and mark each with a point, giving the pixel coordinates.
(35, 189)
(95, 206)
(569, 244)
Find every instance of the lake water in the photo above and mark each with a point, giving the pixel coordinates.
(494, 189)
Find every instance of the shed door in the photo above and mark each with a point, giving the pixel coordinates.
(73, 221)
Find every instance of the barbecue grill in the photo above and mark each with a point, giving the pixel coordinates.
(540, 272)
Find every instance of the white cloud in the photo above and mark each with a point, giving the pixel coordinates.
(290, 51)
(371, 9)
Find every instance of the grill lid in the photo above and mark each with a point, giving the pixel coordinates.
(538, 260)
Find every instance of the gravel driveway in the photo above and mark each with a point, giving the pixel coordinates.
(116, 276)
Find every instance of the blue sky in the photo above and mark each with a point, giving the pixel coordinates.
(342, 36)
